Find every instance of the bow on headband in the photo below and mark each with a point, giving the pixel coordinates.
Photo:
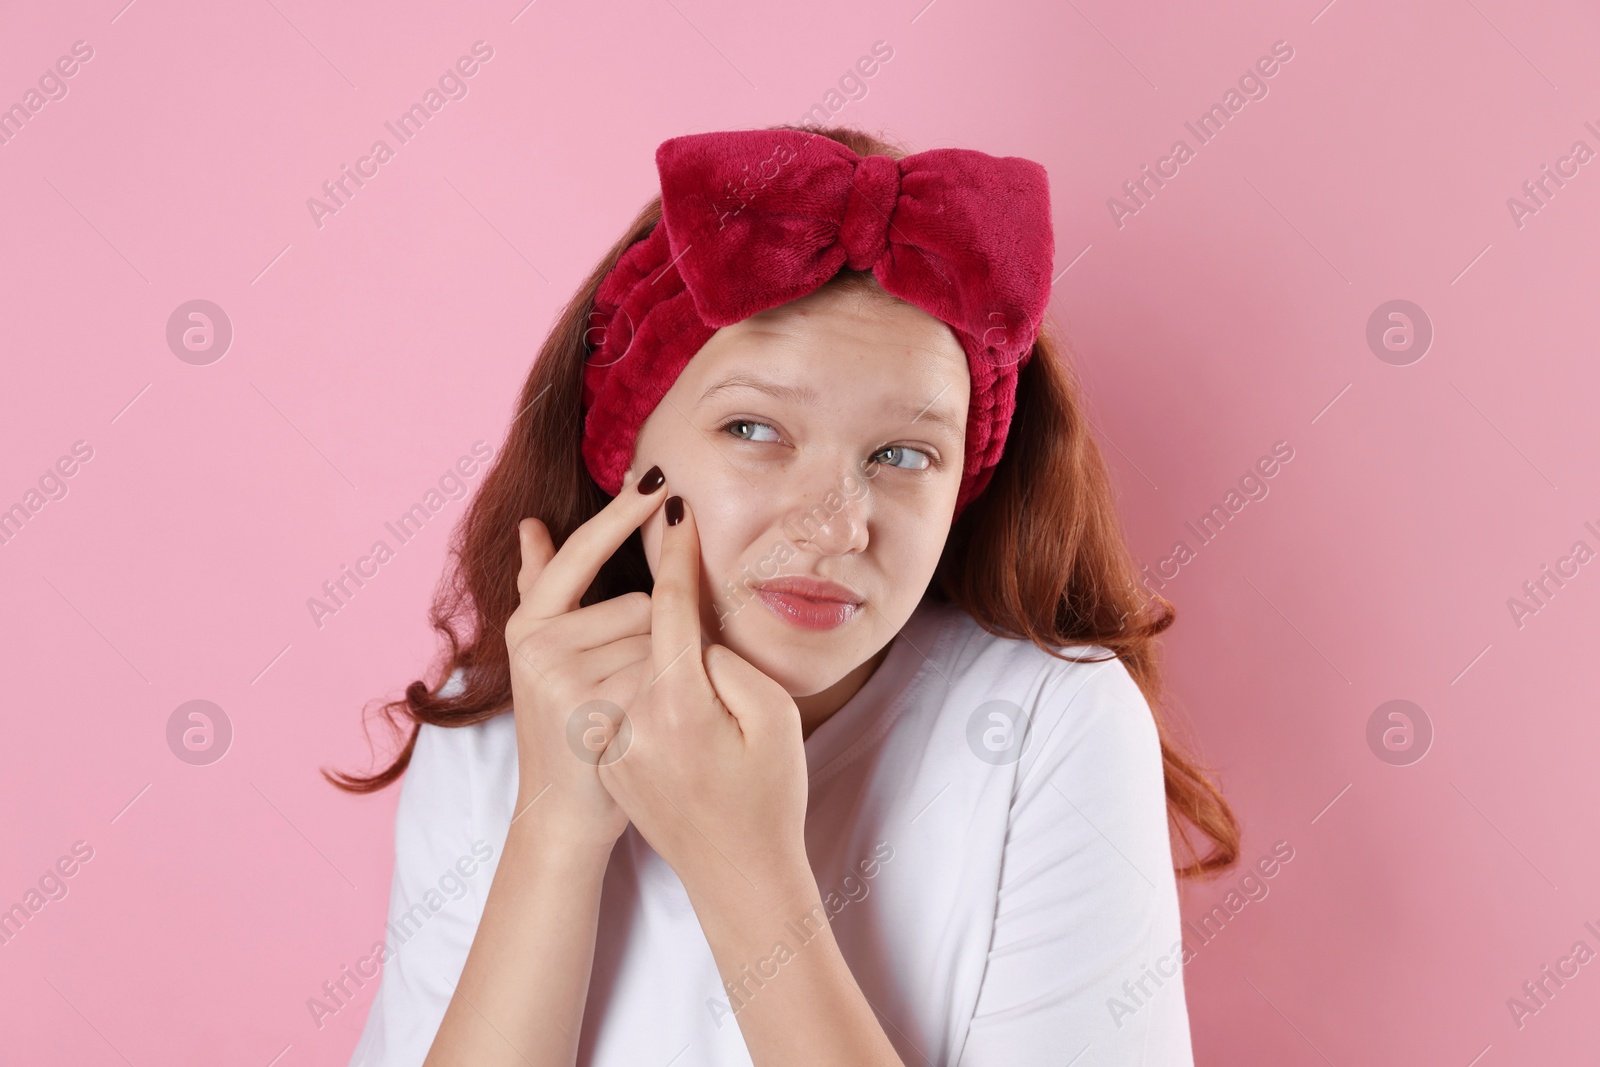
(752, 219)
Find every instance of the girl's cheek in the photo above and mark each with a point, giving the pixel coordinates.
(728, 499)
(736, 533)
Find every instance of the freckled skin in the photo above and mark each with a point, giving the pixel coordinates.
(761, 493)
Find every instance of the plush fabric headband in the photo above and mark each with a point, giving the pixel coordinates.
(752, 219)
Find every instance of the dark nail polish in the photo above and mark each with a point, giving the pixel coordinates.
(652, 480)
(674, 510)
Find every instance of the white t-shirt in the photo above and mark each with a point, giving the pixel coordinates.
(988, 829)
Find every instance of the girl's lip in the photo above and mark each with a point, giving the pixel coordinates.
(806, 613)
(817, 589)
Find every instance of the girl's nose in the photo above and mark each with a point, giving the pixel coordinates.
(832, 520)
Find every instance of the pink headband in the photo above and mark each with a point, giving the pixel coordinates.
(752, 219)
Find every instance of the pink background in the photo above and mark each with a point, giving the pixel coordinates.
(1227, 314)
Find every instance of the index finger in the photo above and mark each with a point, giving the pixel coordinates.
(675, 600)
(533, 539)
(572, 570)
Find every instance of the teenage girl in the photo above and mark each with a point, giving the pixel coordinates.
(797, 704)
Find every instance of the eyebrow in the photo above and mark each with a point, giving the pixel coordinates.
(805, 396)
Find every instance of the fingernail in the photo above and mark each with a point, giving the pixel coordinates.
(674, 510)
(652, 480)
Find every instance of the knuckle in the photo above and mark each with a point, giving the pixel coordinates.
(525, 653)
(538, 652)
(517, 626)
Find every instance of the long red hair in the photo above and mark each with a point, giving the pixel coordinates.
(1038, 556)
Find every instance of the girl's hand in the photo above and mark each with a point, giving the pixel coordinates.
(574, 668)
(713, 769)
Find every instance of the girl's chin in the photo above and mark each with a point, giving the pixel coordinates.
(800, 675)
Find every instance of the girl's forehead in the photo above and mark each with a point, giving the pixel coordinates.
(881, 378)
(844, 335)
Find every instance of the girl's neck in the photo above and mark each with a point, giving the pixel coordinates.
(818, 708)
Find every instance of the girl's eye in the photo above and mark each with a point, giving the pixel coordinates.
(733, 428)
(902, 456)
(920, 459)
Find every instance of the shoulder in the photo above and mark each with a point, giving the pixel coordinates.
(459, 769)
(1079, 676)
(481, 745)
(1080, 702)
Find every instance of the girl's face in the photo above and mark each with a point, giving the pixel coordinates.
(819, 440)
